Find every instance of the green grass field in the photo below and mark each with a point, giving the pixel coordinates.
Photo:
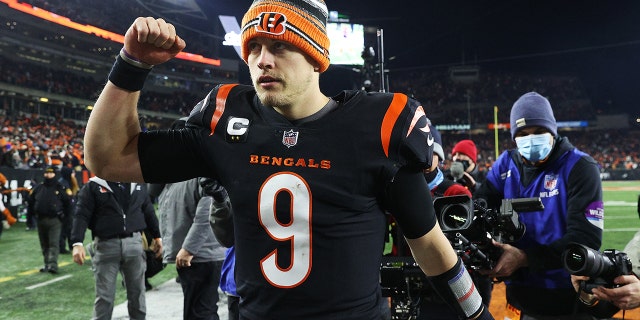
(26, 294)
(621, 220)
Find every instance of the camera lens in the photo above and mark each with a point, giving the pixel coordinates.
(584, 261)
(454, 213)
(455, 216)
(575, 260)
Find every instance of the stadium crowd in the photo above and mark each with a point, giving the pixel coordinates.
(444, 98)
(28, 137)
(30, 141)
(455, 101)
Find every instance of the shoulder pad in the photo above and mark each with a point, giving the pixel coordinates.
(212, 106)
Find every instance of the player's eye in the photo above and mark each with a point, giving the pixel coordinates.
(279, 45)
(253, 46)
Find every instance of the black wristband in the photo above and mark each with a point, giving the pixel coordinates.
(127, 76)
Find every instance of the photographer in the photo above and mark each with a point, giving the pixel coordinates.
(567, 181)
(625, 297)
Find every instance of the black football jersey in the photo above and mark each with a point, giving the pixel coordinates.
(307, 198)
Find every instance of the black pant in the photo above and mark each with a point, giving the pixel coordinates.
(200, 284)
(65, 233)
(31, 221)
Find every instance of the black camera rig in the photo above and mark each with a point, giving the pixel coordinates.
(601, 268)
(470, 226)
(402, 280)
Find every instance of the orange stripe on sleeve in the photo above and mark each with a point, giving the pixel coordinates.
(221, 100)
(390, 118)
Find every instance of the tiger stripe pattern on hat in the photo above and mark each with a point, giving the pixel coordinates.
(300, 22)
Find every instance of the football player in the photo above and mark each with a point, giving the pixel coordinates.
(310, 177)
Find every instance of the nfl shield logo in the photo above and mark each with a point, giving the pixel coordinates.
(290, 138)
(550, 182)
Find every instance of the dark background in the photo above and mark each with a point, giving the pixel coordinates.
(598, 41)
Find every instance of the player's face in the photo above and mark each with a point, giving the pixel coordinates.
(281, 74)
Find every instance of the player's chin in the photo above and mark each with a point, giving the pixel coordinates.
(270, 98)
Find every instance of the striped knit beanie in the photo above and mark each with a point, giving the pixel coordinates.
(300, 22)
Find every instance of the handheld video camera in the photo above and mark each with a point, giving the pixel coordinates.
(601, 268)
(470, 226)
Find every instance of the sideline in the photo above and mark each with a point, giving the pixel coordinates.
(164, 302)
(46, 283)
(31, 271)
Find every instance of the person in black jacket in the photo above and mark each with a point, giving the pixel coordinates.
(116, 213)
(49, 203)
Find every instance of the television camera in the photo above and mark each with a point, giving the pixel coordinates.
(471, 227)
(601, 268)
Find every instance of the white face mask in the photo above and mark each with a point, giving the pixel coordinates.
(535, 147)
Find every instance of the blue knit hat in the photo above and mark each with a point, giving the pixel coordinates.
(530, 110)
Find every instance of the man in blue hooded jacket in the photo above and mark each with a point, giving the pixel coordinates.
(567, 180)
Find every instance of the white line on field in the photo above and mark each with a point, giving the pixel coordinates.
(612, 217)
(621, 229)
(42, 284)
(620, 204)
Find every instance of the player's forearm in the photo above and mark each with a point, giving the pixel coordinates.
(448, 275)
(433, 252)
(111, 135)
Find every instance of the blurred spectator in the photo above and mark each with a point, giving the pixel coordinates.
(10, 157)
(464, 169)
(49, 202)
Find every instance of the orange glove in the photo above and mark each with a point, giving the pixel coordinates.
(10, 219)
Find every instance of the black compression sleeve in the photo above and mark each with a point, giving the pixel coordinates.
(175, 149)
(411, 204)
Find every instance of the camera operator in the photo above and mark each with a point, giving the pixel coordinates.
(626, 294)
(464, 168)
(567, 181)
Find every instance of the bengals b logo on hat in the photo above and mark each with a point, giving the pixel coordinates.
(301, 23)
(272, 22)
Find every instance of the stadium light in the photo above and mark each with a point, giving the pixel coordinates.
(64, 21)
